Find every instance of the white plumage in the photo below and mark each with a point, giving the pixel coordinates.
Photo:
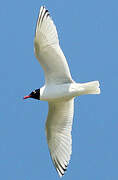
(58, 131)
(48, 51)
(59, 90)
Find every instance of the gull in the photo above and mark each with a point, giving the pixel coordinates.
(59, 91)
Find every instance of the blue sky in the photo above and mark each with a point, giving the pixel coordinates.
(88, 33)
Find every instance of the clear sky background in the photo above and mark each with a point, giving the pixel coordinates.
(88, 33)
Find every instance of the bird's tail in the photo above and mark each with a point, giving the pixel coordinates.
(91, 87)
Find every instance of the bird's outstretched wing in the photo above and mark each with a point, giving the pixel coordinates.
(58, 132)
(48, 51)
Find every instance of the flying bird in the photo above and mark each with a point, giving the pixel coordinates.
(59, 91)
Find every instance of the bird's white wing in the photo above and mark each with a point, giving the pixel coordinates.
(58, 132)
(48, 51)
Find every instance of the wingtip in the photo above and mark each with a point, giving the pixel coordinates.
(43, 7)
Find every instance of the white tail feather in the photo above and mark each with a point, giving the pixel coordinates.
(91, 87)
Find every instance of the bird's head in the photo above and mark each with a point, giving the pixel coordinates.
(34, 94)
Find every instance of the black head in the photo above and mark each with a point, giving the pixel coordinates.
(34, 94)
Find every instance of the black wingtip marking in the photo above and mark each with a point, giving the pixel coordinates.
(66, 165)
(39, 17)
(46, 13)
(57, 167)
(64, 169)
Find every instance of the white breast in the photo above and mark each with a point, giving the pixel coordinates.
(59, 92)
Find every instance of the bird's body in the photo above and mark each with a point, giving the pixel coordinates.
(59, 90)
